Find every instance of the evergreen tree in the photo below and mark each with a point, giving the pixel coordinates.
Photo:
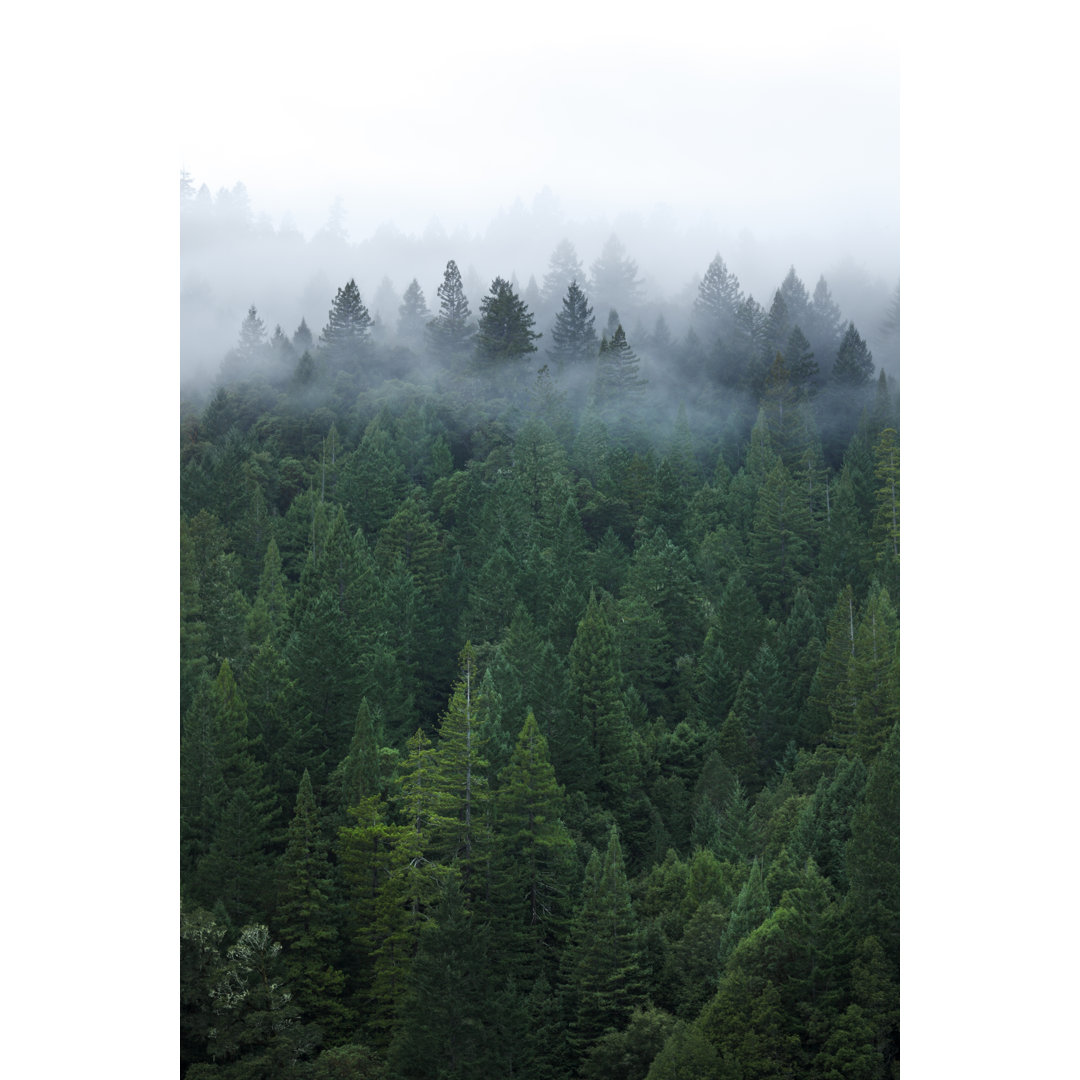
(413, 315)
(306, 927)
(348, 327)
(302, 338)
(533, 848)
(598, 754)
(782, 541)
(617, 372)
(717, 300)
(614, 281)
(444, 1031)
(460, 774)
(505, 331)
(252, 344)
(564, 268)
(854, 364)
(450, 332)
(602, 962)
(573, 334)
(885, 530)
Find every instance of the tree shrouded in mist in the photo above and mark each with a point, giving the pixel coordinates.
(348, 326)
(505, 331)
(718, 299)
(450, 332)
(413, 315)
(573, 334)
(615, 283)
(854, 362)
(617, 370)
(564, 268)
(252, 334)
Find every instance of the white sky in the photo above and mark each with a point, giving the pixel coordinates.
(783, 117)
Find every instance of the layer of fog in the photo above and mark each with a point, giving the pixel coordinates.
(234, 256)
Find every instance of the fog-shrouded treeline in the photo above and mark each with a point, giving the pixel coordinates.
(539, 673)
(233, 257)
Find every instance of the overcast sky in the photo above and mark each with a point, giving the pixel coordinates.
(786, 120)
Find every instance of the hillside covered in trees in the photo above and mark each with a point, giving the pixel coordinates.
(539, 681)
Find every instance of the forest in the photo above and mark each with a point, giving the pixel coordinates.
(539, 685)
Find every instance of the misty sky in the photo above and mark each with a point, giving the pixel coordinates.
(782, 123)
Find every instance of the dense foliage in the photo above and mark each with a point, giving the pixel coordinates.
(542, 720)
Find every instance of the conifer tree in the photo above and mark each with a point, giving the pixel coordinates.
(444, 1030)
(602, 963)
(617, 375)
(718, 299)
(854, 363)
(302, 339)
(614, 281)
(533, 849)
(872, 692)
(252, 344)
(413, 315)
(305, 924)
(597, 754)
(573, 334)
(348, 327)
(462, 835)
(450, 332)
(782, 541)
(564, 267)
(885, 530)
(505, 329)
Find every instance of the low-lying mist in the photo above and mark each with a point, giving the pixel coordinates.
(233, 258)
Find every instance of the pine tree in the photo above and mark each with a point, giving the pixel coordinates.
(413, 315)
(617, 372)
(614, 281)
(717, 300)
(505, 330)
(854, 364)
(885, 530)
(304, 920)
(444, 1028)
(450, 332)
(252, 344)
(573, 334)
(302, 338)
(348, 327)
(602, 962)
(564, 268)
(533, 848)
(781, 542)
(597, 756)
(462, 836)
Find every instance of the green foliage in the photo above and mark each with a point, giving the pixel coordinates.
(573, 334)
(450, 332)
(505, 329)
(647, 823)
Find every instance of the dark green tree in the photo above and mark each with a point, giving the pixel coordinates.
(573, 334)
(347, 332)
(602, 962)
(305, 921)
(531, 870)
(505, 329)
